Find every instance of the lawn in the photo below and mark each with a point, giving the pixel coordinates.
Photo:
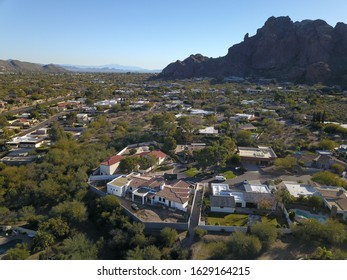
(227, 219)
(192, 172)
(240, 220)
(271, 221)
(229, 175)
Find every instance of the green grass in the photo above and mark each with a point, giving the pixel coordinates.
(227, 219)
(229, 175)
(192, 172)
(266, 220)
(240, 220)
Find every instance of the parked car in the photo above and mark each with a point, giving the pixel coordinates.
(135, 207)
(220, 178)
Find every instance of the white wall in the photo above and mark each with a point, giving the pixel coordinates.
(116, 190)
(223, 210)
(108, 169)
(179, 206)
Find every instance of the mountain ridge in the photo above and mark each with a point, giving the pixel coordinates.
(309, 51)
(17, 66)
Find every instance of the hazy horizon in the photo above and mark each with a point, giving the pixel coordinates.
(146, 34)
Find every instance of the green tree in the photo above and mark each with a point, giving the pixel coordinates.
(311, 230)
(128, 164)
(286, 163)
(327, 144)
(73, 211)
(20, 252)
(78, 247)
(321, 253)
(337, 168)
(169, 143)
(135, 254)
(244, 138)
(168, 236)
(329, 179)
(56, 226)
(56, 132)
(42, 241)
(266, 233)
(151, 253)
(244, 246)
(165, 123)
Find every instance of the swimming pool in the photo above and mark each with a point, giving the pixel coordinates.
(9, 245)
(307, 215)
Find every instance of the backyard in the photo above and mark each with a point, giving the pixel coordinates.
(240, 220)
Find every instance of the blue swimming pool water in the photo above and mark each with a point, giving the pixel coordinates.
(9, 245)
(308, 215)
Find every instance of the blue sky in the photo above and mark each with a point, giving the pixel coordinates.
(145, 33)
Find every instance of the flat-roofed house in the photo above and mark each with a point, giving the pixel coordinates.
(118, 186)
(225, 200)
(299, 190)
(335, 198)
(262, 155)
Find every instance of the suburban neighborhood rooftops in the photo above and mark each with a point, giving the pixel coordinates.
(297, 190)
(256, 188)
(218, 188)
(261, 152)
(334, 196)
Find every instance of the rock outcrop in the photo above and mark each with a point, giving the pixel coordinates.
(309, 51)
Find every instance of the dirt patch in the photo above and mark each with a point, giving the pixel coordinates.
(147, 215)
(287, 248)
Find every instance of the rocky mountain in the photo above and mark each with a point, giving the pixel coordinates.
(309, 51)
(16, 66)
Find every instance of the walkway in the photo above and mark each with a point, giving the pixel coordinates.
(195, 215)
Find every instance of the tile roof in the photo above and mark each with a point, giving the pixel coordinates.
(156, 153)
(154, 183)
(174, 194)
(112, 160)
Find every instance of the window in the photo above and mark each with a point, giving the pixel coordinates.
(163, 199)
(159, 198)
(238, 204)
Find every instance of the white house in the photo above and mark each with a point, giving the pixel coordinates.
(224, 200)
(298, 190)
(109, 166)
(118, 186)
(173, 197)
(208, 131)
(255, 196)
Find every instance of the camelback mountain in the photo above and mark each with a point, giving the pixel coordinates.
(310, 51)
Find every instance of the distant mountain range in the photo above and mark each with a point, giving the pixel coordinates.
(16, 66)
(310, 51)
(109, 68)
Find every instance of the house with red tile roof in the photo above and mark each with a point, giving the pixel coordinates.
(109, 166)
(174, 197)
